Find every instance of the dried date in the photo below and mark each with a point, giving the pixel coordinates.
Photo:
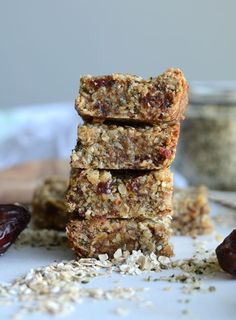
(226, 253)
(13, 220)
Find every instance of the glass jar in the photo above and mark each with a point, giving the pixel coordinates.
(207, 148)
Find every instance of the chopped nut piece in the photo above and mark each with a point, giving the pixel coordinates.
(93, 176)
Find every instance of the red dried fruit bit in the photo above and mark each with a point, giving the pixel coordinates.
(13, 220)
(166, 153)
(133, 186)
(103, 187)
(103, 82)
(226, 253)
(156, 101)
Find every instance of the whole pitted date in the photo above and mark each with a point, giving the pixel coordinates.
(13, 220)
(226, 253)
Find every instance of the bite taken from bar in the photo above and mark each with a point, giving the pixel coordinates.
(130, 98)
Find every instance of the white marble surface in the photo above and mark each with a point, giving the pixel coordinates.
(220, 304)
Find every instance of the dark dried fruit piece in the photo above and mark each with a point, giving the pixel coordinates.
(106, 82)
(166, 153)
(156, 101)
(13, 220)
(226, 253)
(103, 187)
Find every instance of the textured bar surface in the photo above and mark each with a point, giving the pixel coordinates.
(190, 206)
(191, 212)
(125, 147)
(48, 205)
(89, 238)
(115, 194)
(131, 98)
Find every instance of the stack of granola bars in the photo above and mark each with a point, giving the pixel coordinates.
(120, 190)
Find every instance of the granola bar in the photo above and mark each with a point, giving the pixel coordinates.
(92, 237)
(191, 212)
(131, 98)
(190, 206)
(48, 205)
(125, 147)
(115, 194)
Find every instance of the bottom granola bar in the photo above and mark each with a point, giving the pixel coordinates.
(89, 238)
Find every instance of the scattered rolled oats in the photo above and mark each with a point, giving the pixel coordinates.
(103, 257)
(118, 254)
(58, 287)
(54, 288)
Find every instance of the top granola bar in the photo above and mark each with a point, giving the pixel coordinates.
(126, 97)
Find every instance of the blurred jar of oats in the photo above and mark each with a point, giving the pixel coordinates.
(207, 148)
